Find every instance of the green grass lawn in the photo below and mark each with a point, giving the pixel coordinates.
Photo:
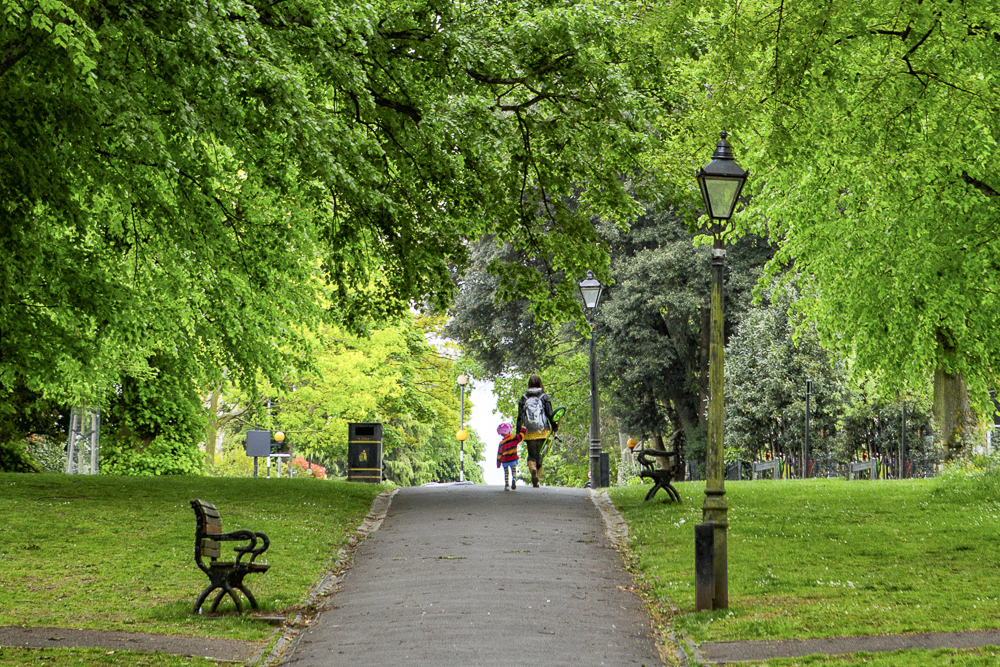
(823, 558)
(117, 553)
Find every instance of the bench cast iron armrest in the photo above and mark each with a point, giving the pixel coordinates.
(643, 455)
(261, 549)
(657, 452)
(241, 536)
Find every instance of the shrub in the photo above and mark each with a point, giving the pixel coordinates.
(14, 457)
(299, 464)
(48, 453)
(977, 477)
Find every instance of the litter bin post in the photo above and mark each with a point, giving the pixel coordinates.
(364, 453)
(258, 444)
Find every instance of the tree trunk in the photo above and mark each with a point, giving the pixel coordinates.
(664, 462)
(217, 421)
(212, 430)
(953, 421)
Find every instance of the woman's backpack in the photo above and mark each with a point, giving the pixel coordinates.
(534, 415)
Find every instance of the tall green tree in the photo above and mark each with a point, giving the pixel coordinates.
(769, 360)
(871, 131)
(767, 367)
(155, 421)
(393, 375)
(654, 323)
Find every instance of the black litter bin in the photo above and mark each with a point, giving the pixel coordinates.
(364, 453)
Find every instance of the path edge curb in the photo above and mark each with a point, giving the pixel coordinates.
(321, 591)
(617, 531)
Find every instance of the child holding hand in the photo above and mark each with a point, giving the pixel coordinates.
(507, 454)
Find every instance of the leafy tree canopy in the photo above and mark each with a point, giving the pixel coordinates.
(871, 133)
(198, 177)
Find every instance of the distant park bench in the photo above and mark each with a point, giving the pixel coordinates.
(773, 465)
(661, 476)
(858, 466)
(224, 576)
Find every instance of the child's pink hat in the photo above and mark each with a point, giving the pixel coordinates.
(504, 429)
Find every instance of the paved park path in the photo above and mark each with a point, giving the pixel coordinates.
(475, 575)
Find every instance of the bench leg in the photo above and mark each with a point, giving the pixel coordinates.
(250, 597)
(203, 597)
(652, 491)
(226, 588)
(674, 494)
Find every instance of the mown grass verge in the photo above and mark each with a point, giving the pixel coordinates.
(825, 558)
(94, 657)
(117, 553)
(986, 656)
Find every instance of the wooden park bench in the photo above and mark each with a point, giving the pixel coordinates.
(224, 576)
(663, 475)
(857, 466)
(774, 465)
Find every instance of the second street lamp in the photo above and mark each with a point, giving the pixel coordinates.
(721, 182)
(462, 433)
(591, 289)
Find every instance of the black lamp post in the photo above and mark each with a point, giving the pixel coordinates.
(721, 182)
(463, 435)
(591, 289)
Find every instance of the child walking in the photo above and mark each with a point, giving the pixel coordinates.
(507, 454)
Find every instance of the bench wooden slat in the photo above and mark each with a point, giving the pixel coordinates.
(210, 529)
(210, 548)
(207, 508)
(211, 521)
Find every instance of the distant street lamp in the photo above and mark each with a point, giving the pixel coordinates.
(805, 449)
(591, 289)
(721, 182)
(462, 433)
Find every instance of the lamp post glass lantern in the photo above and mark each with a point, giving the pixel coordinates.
(591, 290)
(721, 182)
(462, 380)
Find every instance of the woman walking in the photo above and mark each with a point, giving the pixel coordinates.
(534, 415)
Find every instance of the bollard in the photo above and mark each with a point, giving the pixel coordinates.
(704, 566)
